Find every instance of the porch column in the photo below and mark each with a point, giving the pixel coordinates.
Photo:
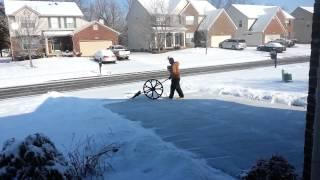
(173, 40)
(184, 39)
(46, 45)
(155, 41)
(165, 40)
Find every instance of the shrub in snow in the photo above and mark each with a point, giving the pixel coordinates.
(88, 159)
(35, 157)
(276, 168)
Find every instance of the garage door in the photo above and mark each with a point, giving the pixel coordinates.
(271, 37)
(215, 40)
(88, 48)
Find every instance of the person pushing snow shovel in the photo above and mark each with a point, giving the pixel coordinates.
(174, 70)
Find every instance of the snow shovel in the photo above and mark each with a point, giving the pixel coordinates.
(152, 88)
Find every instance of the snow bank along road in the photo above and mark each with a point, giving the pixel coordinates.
(97, 81)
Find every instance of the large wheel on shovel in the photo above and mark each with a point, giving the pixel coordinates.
(153, 89)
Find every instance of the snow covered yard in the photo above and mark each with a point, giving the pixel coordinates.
(196, 138)
(49, 69)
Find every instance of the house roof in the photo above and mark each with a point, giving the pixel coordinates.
(256, 11)
(163, 6)
(263, 21)
(309, 9)
(44, 8)
(92, 23)
(202, 6)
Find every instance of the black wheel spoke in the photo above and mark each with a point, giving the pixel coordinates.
(153, 89)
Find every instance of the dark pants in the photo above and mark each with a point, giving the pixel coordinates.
(175, 85)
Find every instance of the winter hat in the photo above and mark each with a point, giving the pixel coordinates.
(171, 60)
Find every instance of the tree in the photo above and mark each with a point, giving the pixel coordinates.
(160, 21)
(27, 33)
(4, 32)
(111, 13)
(312, 130)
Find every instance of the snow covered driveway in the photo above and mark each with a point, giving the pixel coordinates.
(230, 136)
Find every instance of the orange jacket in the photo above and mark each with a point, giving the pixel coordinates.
(175, 71)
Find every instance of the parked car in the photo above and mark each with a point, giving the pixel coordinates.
(233, 44)
(67, 53)
(105, 55)
(120, 51)
(272, 46)
(284, 42)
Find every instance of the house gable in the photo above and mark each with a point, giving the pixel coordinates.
(190, 11)
(223, 25)
(25, 8)
(275, 27)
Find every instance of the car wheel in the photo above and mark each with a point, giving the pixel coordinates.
(233, 47)
(127, 57)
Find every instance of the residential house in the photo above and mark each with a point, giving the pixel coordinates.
(192, 16)
(47, 27)
(216, 27)
(92, 37)
(154, 24)
(260, 24)
(176, 22)
(303, 24)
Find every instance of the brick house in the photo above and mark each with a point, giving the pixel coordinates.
(48, 27)
(215, 28)
(259, 24)
(93, 36)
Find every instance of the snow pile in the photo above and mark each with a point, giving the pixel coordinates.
(274, 97)
(36, 156)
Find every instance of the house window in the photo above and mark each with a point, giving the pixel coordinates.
(240, 23)
(28, 24)
(32, 43)
(189, 20)
(70, 22)
(288, 22)
(160, 20)
(53, 23)
(95, 27)
(189, 35)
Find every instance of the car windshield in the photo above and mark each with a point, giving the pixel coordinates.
(274, 45)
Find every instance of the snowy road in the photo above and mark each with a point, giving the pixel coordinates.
(230, 136)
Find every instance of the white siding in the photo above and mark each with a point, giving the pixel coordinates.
(252, 39)
(302, 25)
(139, 27)
(237, 16)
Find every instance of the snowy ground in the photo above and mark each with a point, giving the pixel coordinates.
(196, 138)
(19, 73)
